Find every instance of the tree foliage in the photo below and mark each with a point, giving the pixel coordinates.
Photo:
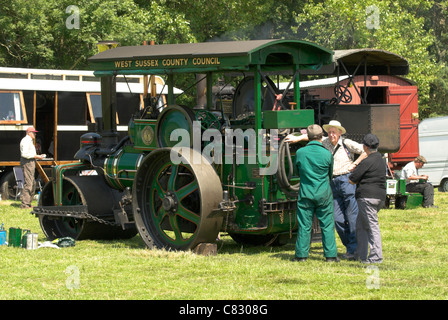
(387, 25)
(34, 33)
(41, 33)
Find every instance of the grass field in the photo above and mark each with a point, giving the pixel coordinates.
(415, 248)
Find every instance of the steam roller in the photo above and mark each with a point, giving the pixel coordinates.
(222, 175)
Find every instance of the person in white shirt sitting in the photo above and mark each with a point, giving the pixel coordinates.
(418, 183)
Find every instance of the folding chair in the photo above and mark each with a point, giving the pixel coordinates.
(20, 180)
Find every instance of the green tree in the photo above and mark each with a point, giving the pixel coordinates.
(438, 95)
(25, 37)
(388, 25)
(46, 34)
(235, 19)
(437, 22)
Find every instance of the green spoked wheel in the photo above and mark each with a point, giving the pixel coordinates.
(208, 119)
(173, 202)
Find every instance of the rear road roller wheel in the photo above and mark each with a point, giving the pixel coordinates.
(100, 199)
(173, 201)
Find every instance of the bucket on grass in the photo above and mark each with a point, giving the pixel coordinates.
(2, 236)
(15, 237)
(29, 240)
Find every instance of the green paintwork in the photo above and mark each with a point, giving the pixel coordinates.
(287, 119)
(414, 200)
(142, 133)
(121, 167)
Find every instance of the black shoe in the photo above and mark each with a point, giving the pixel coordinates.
(332, 259)
(297, 259)
(348, 256)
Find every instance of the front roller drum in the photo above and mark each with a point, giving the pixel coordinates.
(173, 202)
(100, 199)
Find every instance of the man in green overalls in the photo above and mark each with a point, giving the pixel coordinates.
(315, 167)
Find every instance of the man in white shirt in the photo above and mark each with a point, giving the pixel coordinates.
(28, 158)
(413, 184)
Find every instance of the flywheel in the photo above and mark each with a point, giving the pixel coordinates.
(175, 117)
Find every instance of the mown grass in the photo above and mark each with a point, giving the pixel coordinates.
(415, 248)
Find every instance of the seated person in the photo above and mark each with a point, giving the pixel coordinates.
(413, 184)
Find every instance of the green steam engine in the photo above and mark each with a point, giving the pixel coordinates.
(184, 174)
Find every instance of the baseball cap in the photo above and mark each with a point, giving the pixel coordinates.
(371, 141)
(31, 129)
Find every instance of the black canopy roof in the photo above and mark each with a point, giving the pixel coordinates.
(370, 61)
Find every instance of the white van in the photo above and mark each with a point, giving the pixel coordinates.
(433, 141)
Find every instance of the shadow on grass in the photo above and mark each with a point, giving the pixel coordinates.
(135, 242)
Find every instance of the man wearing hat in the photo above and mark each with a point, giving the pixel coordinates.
(345, 205)
(413, 184)
(370, 178)
(28, 158)
(314, 164)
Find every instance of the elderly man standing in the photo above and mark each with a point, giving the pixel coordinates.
(315, 167)
(413, 184)
(28, 158)
(345, 205)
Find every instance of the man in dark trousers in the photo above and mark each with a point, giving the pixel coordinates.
(315, 167)
(28, 158)
(418, 183)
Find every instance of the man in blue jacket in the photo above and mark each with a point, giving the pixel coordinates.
(315, 167)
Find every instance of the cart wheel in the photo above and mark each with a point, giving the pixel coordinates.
(343, 94)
